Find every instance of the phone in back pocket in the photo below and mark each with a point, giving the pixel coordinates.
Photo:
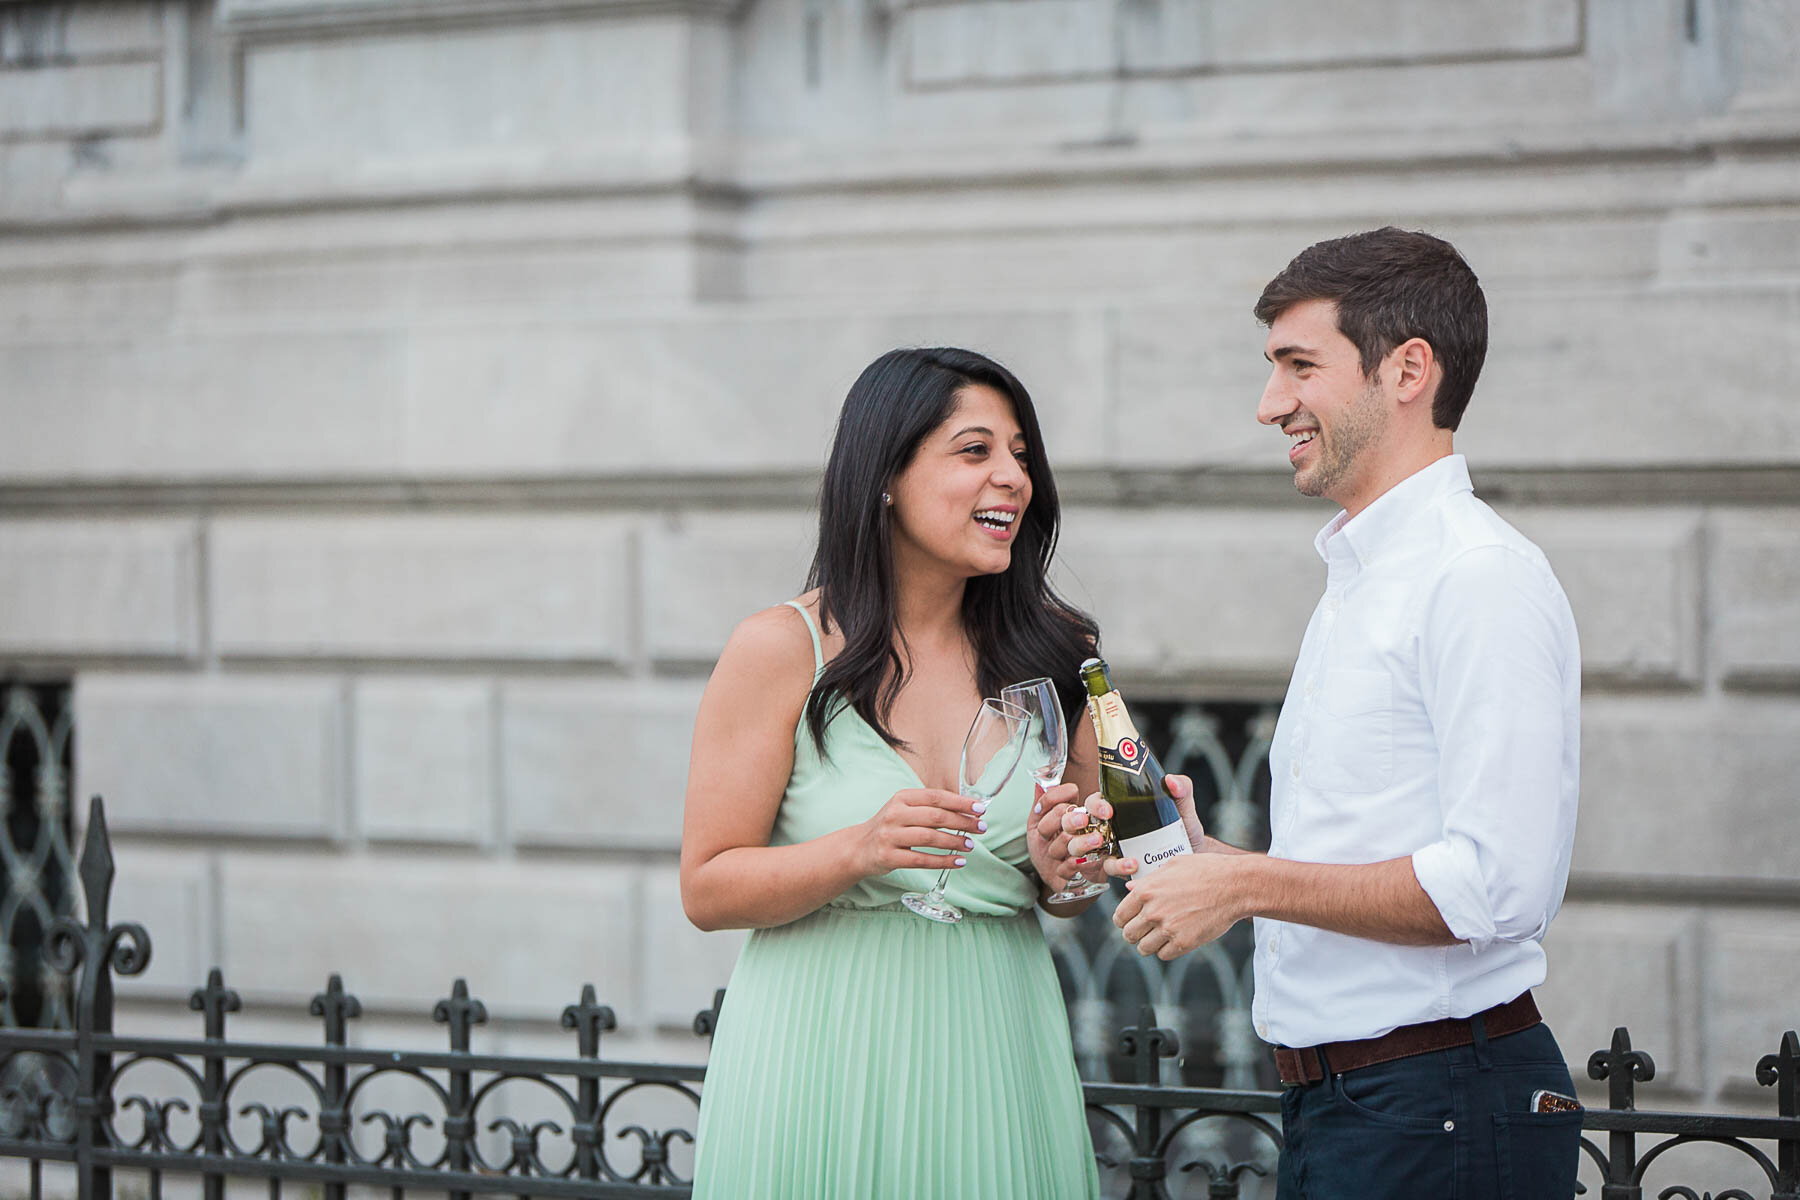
(1545, 1101)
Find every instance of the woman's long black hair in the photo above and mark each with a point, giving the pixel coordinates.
(1018, 628)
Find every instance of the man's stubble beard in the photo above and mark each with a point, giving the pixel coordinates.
(1360, 426)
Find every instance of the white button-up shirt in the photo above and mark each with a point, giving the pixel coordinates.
(1434, 712)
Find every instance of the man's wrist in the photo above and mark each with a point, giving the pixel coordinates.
(1247, 876)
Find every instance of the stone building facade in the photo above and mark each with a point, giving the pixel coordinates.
(400, 401)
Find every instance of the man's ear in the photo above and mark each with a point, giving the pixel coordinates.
(1417, 374)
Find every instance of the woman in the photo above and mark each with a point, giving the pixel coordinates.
(864, 1051)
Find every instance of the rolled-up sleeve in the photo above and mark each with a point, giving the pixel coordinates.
(1496, 654)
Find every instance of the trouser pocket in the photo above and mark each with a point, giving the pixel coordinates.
(1538, 1154)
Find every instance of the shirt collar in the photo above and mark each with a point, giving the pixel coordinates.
(1355, 541)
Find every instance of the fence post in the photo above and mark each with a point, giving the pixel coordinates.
(1147, 1045)
(214, 1000)
(97, 949)
(706, 1021)
(460, 1012)
(1781, 1071)
(589, 1020)
(1623, 1068)
(338, 1008)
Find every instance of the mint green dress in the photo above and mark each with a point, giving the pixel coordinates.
(866, 1052)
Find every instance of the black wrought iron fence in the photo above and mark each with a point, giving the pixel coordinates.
(86, 1104)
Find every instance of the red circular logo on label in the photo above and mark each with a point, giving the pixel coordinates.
(1128, 750)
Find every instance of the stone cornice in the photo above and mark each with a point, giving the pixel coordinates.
(1730, 486)
(271, 19)
(728, 172)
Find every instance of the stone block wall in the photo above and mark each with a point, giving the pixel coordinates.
(400, 403)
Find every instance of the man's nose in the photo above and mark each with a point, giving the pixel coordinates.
(1276, 403)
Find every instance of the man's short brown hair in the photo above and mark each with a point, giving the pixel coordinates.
(1391, 285)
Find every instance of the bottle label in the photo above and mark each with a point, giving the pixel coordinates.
(1120, 745)
(1154, 849)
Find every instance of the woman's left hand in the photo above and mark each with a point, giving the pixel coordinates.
(1047, 836)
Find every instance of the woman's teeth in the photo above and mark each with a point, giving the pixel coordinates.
(989, 518)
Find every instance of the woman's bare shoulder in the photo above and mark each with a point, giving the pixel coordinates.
(773, 644)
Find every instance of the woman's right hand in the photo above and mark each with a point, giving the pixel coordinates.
(918, 817)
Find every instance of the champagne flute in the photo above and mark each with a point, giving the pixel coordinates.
(990, 752)
(1050, 751)
(1080, 887)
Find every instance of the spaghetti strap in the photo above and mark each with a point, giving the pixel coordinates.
(818, 646)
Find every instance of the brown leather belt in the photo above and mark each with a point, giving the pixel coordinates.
(1311, 1064)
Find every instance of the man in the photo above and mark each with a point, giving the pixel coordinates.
(1424, 767)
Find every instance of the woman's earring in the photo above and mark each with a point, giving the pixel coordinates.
(887, 499)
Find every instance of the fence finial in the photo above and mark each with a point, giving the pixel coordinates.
(460, 1012)
(1146, 1043)
(1623, 1067)
(589, 1019)
(1781, 1071)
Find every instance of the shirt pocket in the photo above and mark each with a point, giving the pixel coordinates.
(1352, 747)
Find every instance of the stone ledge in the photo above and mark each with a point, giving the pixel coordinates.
(768, 173)
(260, 19)
(796, 491)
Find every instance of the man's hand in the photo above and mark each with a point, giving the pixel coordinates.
(1188, 902)
(1191, 900)
(1181, 790)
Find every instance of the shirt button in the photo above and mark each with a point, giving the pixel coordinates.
(1311, 687)
(1449, 1126)
(1262, 1030)
(1294, 770)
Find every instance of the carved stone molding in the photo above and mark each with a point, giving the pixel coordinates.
(272, 19)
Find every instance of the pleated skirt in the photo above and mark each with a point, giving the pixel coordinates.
(870, 1053)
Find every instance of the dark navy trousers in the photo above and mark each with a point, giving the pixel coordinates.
(1447, 1125)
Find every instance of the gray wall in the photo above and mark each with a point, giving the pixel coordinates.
(400, 401)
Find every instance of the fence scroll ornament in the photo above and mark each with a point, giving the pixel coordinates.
(87, 1102)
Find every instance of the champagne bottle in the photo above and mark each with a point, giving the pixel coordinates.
(1146, 825)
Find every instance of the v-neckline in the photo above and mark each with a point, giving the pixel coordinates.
(894, 751)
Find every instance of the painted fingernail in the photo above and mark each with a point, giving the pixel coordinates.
(968, 843)
(1037, 808)
(980, 806)
(981, 827)
(1081, 862)
(960, 861)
